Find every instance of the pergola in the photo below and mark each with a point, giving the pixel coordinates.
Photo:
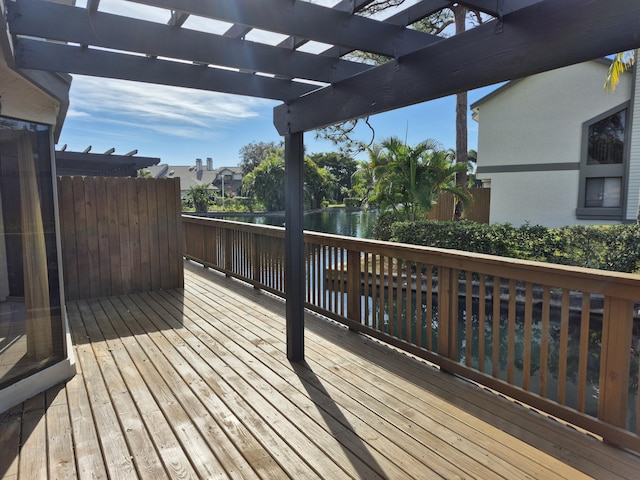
(309, 70)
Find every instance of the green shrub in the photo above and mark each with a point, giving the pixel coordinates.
(352, 202)
(611, 247)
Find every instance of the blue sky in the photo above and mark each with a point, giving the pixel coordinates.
(179, 125)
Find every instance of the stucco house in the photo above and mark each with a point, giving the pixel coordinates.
(228, 179)
(557, 149)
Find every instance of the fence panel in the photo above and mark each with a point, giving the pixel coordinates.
(119, 235)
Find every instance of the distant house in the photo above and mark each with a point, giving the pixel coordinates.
(227, 178)
(558, 150)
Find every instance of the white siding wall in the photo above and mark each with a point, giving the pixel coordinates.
(535, 121)
(634, 170)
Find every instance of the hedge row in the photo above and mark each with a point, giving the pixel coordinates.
(609, 247)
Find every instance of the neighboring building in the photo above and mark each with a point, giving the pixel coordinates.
(229, 178)
(558, 150)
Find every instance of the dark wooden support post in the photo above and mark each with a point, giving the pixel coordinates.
(294, 245)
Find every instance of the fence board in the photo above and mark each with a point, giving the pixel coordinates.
(478, 211)
(118, 237)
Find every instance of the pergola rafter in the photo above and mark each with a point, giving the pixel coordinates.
(318, 89)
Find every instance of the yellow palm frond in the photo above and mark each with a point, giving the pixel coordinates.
(622, 62)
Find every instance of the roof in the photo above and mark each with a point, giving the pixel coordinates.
(100, 164)
(508, 85)
(190, 176)
(228, 46)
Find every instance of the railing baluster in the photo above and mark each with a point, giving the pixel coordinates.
(354, 286)
(468, 324)
(511, 331)
(528, 320)
(495, 354)
(481, 322)
(584, 351)
(429, 315)
(544, 342)
(390, 274)
(564, 345)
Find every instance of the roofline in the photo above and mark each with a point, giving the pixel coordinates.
(604, 61)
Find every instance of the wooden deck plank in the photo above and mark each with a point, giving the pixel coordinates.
(33, 439)
(407, 416)
(113, 445)
(294, 376)
(143, 453)
(195, 383)
(209, 393)
(252, 396)
(10, 425)
(421, 436)
(59, 446)
(283, 397)
(584, 453)
(207, 439)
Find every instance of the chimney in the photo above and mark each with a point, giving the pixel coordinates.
(209, 164)
(198, 164)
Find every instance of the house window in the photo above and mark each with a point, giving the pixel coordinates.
(602, 169)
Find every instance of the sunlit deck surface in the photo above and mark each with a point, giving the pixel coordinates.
(196, 383)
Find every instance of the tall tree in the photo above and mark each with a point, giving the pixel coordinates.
(341, 167)
(437, 24)
(253, 154)
(266, 183)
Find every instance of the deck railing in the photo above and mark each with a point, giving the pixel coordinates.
(560, 339)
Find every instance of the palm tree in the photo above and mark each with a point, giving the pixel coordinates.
(410, 179)
(199, 196)
(622, 62)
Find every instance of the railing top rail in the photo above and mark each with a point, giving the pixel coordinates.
(614, 284)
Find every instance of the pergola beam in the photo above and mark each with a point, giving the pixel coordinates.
(42, 55)
(543, 36)
(307, 20)
(71, 24)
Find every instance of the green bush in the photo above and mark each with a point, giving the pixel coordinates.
(352, 202)
(611, 247)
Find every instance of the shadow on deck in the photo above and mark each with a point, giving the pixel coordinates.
(195, 383)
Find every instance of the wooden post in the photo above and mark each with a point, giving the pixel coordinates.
(447, 295)
(294, 245)
(614, 361)
(228, 251)
(354, 286)
(255, 260)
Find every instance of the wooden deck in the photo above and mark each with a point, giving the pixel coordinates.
(195, 383)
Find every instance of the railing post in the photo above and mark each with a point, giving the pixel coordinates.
(615, 356)
(255, 260)
(447, 295)
(228, 251)
(354, 286)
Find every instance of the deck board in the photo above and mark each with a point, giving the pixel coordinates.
(195, 383)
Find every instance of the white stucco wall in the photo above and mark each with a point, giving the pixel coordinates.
(633, 201)
(536, 121)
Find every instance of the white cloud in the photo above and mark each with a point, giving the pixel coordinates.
(169, 110)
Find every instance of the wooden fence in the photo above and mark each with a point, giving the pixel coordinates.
(120, 235)
(557, 338)
(478, 211)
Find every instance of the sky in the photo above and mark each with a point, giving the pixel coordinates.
(179, 125)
